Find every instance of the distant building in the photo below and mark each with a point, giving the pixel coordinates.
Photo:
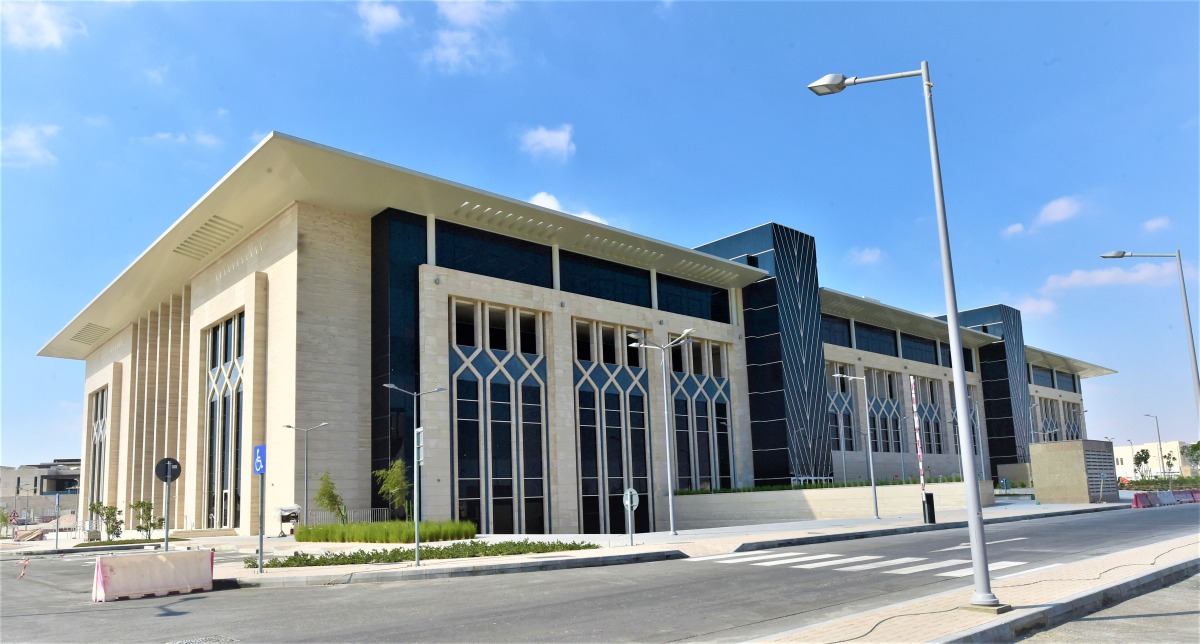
(30, 489)
(308, 278)
(1123, 455)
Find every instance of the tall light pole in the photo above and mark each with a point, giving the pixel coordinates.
(1187, 317)
(870, 450)
(418, 456)
(642, 342)
(306, 430)
(832, 84)
(1161, 467)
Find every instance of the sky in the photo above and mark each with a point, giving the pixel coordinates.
(1065, 130)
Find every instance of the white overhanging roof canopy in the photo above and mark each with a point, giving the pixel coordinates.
(1042, 358)
(863, 309)
(284, 169)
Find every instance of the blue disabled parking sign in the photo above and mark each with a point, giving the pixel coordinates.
(260, 459)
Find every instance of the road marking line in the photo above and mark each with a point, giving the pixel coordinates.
(967, 545)
(758, 557)
(837, 562)
(999, 565)
(929, 566)
(1026, 572)
(724, 556)
(794, 559)
(883, 564)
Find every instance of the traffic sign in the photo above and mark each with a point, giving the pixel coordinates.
(260, 459)
(631, 499)
(167, 470)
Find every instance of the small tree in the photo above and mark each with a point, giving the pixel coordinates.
(1191, 453)
(4, 521)
(110, 516)
(393, 485)
(328, 498)
(143, 513)
(1139, 461)
(1170, 460)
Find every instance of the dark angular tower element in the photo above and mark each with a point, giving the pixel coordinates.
(784, 356)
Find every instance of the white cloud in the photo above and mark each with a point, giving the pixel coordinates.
(1036, 307)
(467, 42)
(1155, 274)
(379, 18)
(157, 75)
(1015, 229)
(38, 25)
(552, 144)
(23, 146)
(865, 256)
(472, 14)
(1158, 223)
(222, 112)
(200, 138)
(547, 200)
(1059, 210)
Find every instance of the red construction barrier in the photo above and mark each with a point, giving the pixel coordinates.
(1140, 500)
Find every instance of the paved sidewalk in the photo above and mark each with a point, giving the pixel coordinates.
(1038, 598)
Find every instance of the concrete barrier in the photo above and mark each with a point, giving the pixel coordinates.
(163, 573)
(1165, 498)
(1141, 500)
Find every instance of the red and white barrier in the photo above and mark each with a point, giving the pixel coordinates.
(142, 575)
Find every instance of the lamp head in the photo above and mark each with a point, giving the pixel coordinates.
(687, 333)
(1116, 254)
(320, 426)
(391, 386)
(288, 427)
(828, 84)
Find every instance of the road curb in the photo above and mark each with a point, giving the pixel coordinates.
(1007, 629)
(68, 551)
(767, 544)
(473, 570)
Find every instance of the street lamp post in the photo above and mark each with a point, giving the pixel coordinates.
(831, 84)
(1187, 316)
(1161, 467)
(870, 451)
(641, 341)
(418, 456)
(306, 430)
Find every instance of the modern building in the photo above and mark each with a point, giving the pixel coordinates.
(31, 490)
(308, 278)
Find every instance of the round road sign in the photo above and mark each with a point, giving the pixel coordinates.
(167, 470)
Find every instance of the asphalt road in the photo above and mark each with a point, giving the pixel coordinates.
(726, 599)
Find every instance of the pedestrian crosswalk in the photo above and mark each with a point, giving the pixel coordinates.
(856, 563)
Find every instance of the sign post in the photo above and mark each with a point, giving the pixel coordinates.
(630, 500)
(167, 470)
(418, 460)
(260, 468)
(58, 514)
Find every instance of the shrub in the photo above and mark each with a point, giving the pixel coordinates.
(143, 512)
(110, 516)
(328, 498)
(461, 550)
(385, 532)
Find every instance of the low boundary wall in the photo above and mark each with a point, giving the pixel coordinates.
(750, 508)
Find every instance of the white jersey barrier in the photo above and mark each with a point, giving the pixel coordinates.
(162, 573)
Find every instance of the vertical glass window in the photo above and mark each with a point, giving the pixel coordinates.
(532, 470)
(222, 470)
(704, 470)
(721, 426)
(527, 321)
(583, 341)
(698, 358)
(467, 444)
(589, 463)
(502, 495)
(464, 324)
(608, 344)
(718, 362)
(639, 468)
(677, 364)
(683, 447)
(615, 461)
(497, 329)
(633, 355)
(98, 412)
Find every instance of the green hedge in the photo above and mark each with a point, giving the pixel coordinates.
(385, 532)
(1177, 483)
(460, 550)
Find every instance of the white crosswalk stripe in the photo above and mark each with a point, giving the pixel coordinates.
(999, 565)
(758, 557)
(793, 560)
(929, 566)
(881, 564)
(836, 562)
(728, 555)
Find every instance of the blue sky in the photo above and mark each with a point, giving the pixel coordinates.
(1066, 130)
